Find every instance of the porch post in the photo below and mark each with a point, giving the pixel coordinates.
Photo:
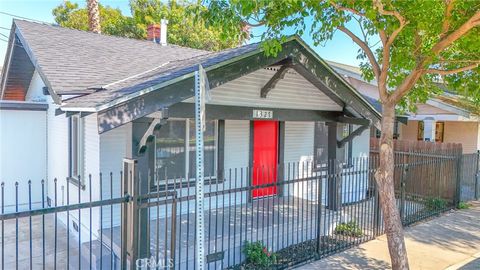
(145, 170)
(333, 180)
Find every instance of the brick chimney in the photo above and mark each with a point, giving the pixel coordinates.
(158, 32)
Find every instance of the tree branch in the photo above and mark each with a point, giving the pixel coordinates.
(452, 37)
(448, 15)
(389, 40)
(452, 71)
(342, 8)
(444, 42)
(365, 48)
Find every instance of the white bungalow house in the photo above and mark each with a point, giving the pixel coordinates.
(80, 103)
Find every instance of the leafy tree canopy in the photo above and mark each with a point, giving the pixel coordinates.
(184, 28)
(400, 36)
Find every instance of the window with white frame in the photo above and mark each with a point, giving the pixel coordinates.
(75, 149)
(175, 150)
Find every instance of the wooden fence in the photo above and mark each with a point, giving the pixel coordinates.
(425, 170)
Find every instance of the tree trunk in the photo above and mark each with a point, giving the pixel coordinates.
(93, 16)
(385, 182)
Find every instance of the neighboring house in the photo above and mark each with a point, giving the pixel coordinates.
(101, 96)
(444, 118)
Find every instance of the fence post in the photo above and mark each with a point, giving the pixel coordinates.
(377, 215)
(129, 223)
(319, 212)
(477, 174)
(402, 191)
(459, 179)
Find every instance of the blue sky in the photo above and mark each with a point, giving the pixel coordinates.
(340, 48)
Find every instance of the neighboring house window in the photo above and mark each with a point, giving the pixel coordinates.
(421, 127)
(75, 149)
(173, 161)
(439, 128)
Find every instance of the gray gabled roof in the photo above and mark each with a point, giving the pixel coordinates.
(74, 62)
(153, 79)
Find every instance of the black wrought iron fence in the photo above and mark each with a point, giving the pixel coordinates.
(292, 212)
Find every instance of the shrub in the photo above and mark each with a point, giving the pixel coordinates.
(258, 255)
(463, 205)
(349, 229)
(435, 203)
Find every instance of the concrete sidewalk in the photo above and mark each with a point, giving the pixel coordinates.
(451, 241)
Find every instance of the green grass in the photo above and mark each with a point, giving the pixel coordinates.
(349, 229)
(463, 205)
(435, 203)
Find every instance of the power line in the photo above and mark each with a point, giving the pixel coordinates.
(20, 17)
(4, 35)
(5, 28)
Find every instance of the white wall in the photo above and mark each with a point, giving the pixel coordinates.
(114, 146)
(292, 92)
(22, 155)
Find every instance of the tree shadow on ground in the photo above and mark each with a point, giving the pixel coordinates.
(355, 258)
(456, 231)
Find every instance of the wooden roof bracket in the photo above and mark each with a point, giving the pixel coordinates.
(349, 138)
(280, 74)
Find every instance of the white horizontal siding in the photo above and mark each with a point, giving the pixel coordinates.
(237, 140)
(113, 148)
(292, 92)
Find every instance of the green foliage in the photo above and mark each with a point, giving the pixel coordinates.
(349, 229)
(112, 21)
(184, 27)
(424, 28)
(435, 203)
(463, 205)
(258, 255)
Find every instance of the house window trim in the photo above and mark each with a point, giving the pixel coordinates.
(76, 179)
(170, 183)
(348, 148)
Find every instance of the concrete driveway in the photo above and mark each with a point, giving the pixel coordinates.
(451, 241)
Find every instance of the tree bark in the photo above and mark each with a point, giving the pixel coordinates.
(93, 16)
(384, 179)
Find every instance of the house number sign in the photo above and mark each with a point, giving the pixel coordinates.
(262, 114)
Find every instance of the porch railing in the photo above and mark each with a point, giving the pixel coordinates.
(298, 211)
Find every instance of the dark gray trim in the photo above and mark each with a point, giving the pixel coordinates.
(333, 182)
(353, 134)
(221, 150)
(279, 75)
(144, 167)
(281, 157)
(250, 160)
(308, 60)
(23, 106)
(354, 121)
(186, 110)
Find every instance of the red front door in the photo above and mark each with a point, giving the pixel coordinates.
(265, 153)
